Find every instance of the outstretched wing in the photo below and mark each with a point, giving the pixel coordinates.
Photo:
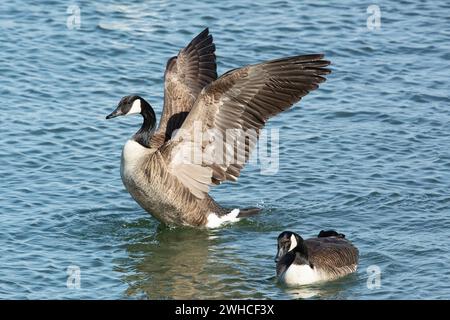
(229, 114)
(186, 75)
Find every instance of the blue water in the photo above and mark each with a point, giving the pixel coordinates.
(367, 154)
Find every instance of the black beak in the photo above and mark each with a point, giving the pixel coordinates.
(280, 253)
(277, 257)
(114, 114)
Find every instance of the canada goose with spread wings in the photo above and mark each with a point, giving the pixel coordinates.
(167, 169)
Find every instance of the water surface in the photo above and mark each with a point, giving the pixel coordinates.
(367, 154)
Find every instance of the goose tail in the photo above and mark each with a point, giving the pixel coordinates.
(330, 233)
(248, 212)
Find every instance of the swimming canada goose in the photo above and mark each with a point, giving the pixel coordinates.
(155, 168)
(327, 257)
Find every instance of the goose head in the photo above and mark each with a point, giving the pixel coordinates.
(133, 104)
(288, 241)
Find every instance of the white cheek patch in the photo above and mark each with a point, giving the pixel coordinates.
(293, 243)
(135, 107)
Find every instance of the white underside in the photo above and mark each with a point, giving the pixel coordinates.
(297, 275)
(132, 152)
(214, 221)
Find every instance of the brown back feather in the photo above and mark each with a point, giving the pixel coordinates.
(333, 255)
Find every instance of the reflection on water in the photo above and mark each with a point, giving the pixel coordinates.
(169, 265)
(186, 263)
(365, 154)
(324, 290)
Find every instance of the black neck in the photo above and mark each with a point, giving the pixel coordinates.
(301, 254)
(147, 129)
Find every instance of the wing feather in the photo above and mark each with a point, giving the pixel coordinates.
(334, 255)
(186, 75)
(244, 99)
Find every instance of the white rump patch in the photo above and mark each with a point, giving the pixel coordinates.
(214, 221)
(135, 107)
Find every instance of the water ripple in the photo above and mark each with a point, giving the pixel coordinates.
(366, 154)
